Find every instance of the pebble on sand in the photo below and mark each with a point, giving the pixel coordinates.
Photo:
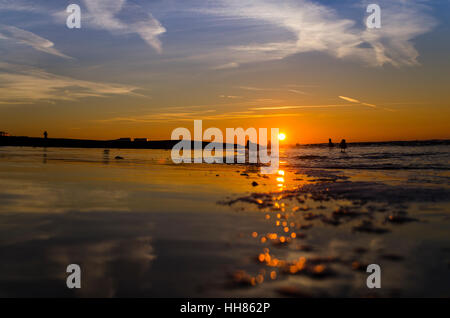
(400, 219)
(369, 227)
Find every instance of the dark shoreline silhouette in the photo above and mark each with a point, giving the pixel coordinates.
(15, 141)
(23, 141)
(399, 143)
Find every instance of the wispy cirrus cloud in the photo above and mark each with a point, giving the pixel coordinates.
(349, 99)
(122, 17)
(356, 101)
(252, 88)
(226, 66)
(19, 36)
(300, 107)
(261, 89)
(230, 96)
(301, 26)
(164, 117)
(119, 17)
(296, 91)
(317, 27)
(20, 5)
(24, 84)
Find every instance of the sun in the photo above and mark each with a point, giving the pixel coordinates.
(281, 136)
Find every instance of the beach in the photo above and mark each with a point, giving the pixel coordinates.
(143, 226)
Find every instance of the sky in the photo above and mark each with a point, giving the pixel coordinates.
(140, 68)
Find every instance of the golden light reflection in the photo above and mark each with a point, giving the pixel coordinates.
(287, 232)
(273, 275)
(280, 179)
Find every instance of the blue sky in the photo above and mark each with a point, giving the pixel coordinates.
(135, 65)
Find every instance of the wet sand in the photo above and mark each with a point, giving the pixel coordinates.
(142, 226)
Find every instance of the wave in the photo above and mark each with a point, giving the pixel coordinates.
(373, 167)
(374, 156)
(411, 143)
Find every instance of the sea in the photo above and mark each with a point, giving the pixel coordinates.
(139, 225)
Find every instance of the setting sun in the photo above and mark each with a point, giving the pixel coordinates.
(281, 136)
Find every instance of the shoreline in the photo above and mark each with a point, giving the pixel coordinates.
(127, 143)
(14, 141)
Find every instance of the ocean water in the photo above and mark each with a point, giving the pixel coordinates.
(145, 227)
(414, 165)
(374, 157)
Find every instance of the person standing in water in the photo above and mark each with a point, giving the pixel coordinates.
(343, 145)
(45, 134)
(330, 143)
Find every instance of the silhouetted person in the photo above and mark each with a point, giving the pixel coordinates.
(106, 156)
(45, 134)
(343, 145)
(330, 143)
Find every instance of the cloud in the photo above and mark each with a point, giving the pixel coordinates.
(177, 115)
(20, 5)
(230, 96)
(23, 37)
(296, 91)
(24, 84)
(348, 99)
(268, 30)
(353, 100)
(251, 88)
(260, 89)
(165, 117)
(119, 17)
(226, 66)
(316, 27)
(104, 15)
(299, 107)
